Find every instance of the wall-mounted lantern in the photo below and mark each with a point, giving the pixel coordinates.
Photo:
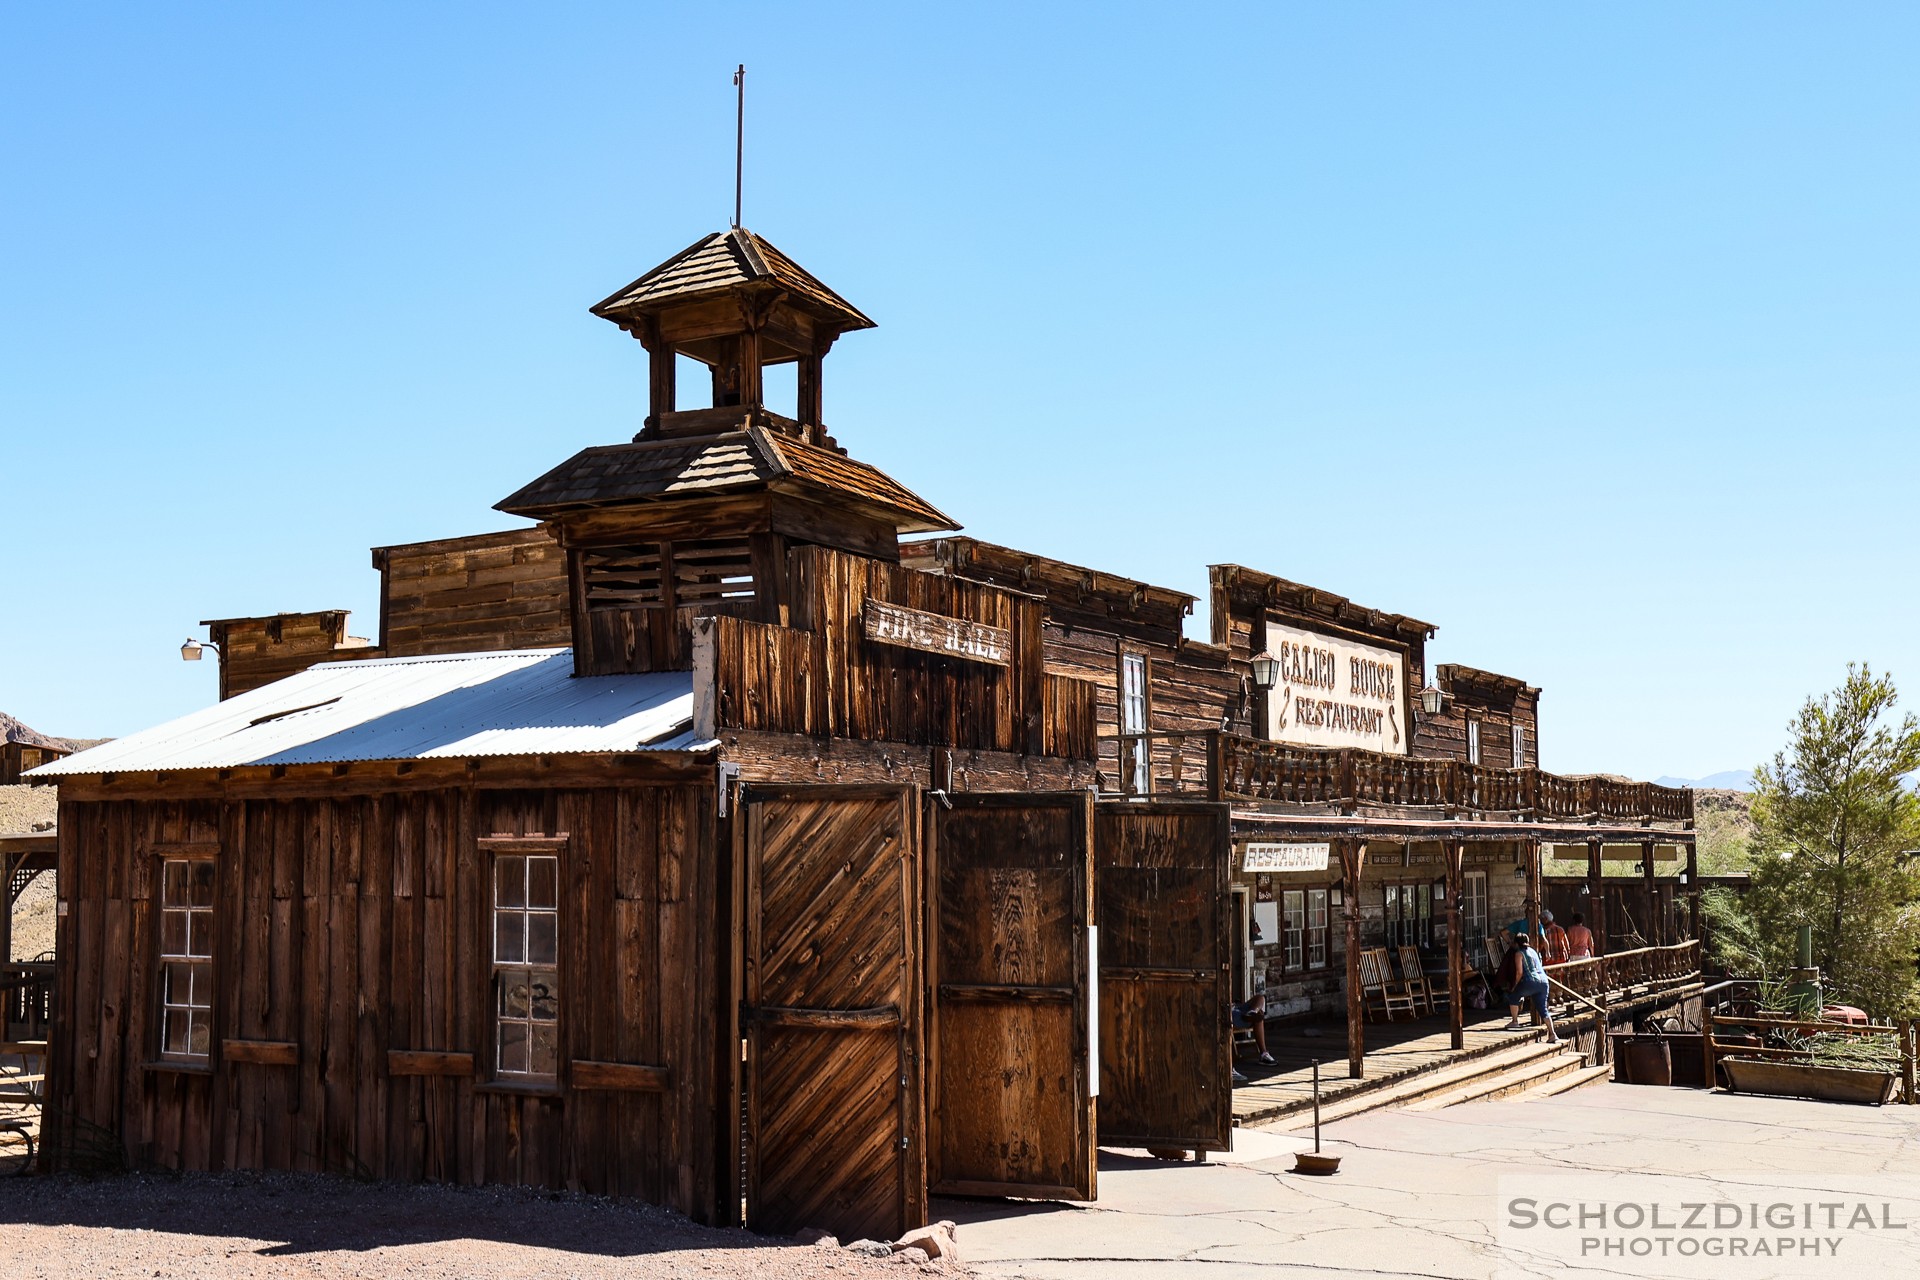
(1432, 699)
(1266, 670)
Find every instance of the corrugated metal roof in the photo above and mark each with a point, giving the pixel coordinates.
(519, 702)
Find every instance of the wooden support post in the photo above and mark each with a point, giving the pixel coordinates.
(1456, 950)
(808, 408)
(1530, 850)
(1596, 899)
(1656, 918)
(1353, 857)
(1693, 898)
(1706, 1046)
(1907, 1050)
(662, 394)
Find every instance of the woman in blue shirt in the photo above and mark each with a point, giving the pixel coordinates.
(1528, 976)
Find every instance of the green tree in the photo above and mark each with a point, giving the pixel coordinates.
(1833, 815)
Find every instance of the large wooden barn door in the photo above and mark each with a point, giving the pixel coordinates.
(1012, 1067)
(1163, 900)
(830, 906)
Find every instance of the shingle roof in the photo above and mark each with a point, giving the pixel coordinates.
(722, 261)
(519, 702)
(610, 474)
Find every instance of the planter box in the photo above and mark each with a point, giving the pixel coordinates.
(1805, 1080)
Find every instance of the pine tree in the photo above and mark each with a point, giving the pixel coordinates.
(1834, 820)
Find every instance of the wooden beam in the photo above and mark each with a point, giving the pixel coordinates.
(1456, 951)
(1530, 850)
(630, 1076)
(428, 1062)
(267, 1053)
(1656, 918)
(1693, 894)
(1353, 857)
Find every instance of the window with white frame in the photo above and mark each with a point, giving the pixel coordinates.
(1519, 746)
(1473, 742)
(1293, 914)
(1316, 928)
(1473, 911)
(186, 958)
(1133, 715)
(526, 954)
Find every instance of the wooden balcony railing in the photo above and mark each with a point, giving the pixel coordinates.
(1229, 766)
(1624, 971)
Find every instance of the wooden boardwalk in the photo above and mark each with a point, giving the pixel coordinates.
(1395, 1051)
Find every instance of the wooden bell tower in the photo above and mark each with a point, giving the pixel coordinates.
(703, 510)
(737, 305)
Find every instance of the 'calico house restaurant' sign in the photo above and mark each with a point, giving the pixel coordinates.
(936, 633)
(1336, 693)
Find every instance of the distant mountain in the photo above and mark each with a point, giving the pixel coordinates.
(1727, 780)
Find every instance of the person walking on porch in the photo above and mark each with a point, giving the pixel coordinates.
(1579, 939)
(1525, 978)
(1553, 940)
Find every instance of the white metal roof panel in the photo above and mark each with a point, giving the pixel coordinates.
(520, 702)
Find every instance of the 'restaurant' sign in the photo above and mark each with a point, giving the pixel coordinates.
(1336, 693)
(937, 633)
(1285, 857)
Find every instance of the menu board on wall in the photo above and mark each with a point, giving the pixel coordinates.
(1337, 693)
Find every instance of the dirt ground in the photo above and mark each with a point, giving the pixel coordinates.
(20, 808)
(240, 1226)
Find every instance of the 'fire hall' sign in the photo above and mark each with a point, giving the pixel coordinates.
(937, 633)
(1336, 693)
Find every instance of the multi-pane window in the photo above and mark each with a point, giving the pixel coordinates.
(186, 957)
(1473, 912)
(1133, 715)
(526, 952)
(1316, 928)
(1294, 924)
(1409, 914)
(1473, 742)
(1519, 746)
(1304, 921)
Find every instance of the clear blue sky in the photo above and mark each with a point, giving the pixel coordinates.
(1588, 333)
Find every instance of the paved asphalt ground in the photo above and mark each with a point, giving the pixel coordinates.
(1425, 1194)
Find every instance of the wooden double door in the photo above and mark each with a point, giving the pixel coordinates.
(932, 1002)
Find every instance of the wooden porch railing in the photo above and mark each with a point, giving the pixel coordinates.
(1623, 971)
(1230, 766)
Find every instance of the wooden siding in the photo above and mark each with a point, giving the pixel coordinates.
(463, 595)
(776, 679)
(355, 928)
(257, 651)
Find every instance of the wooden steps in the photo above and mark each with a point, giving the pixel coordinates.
(1574, 1080)
(1409, 1089)
(1521, 1077)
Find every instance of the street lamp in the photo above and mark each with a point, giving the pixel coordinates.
(190, 651)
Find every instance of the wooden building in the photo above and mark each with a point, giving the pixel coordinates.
(710, 844)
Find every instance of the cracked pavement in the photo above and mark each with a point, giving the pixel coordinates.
(1417, 1192)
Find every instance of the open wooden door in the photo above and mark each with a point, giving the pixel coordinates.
(1163, 894)
(830, 1009)
(1013, 1068)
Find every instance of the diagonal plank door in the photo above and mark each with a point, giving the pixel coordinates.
(1011, 1073)
(831, 1000)
(1163, 897)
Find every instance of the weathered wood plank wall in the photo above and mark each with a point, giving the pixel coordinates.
(463, 595)
(356, 929)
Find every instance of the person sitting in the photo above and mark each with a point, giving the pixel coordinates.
(1524, 975)
(1553, 939)
(1579, 939)
(1251, 1015)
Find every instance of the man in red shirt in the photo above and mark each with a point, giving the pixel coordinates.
(1553, 939)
